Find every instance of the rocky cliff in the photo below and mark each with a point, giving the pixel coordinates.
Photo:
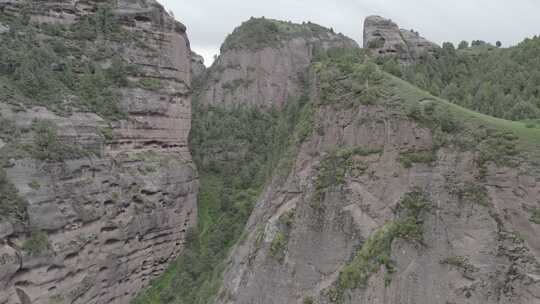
(104, 196)
(197, 66)
(393, 197)
(262, 62)
(384, 38)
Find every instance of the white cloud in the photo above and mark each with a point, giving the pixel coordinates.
(209, 21)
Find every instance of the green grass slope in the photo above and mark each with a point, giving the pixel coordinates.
(528, 134)
(500, 82)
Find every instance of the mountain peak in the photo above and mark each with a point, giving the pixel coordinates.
(384, 38)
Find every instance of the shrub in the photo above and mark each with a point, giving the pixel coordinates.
(414, 111)
(473, 193)
(107, 133)
(103, 22)
(12, 206)
(152, 84)
(37, 243)
(8, 130)
(278, 246)
(407, 159)
(48, 147)
(535, 217)
(34, 184)
(460, 262)
(98, 97)
(117, 73)
(308, 300)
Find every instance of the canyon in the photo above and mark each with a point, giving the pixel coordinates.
(343, 182)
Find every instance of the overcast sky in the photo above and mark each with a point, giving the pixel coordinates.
(209, 21)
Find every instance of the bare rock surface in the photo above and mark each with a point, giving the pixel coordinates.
(197, 65)
(114, 219)
(384, 38)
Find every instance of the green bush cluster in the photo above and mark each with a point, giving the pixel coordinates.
(102, 23)
(407, 159)
(345, 76)
(37, 243)
(48, 147)
(436, 117)
(498, 147)
(278, 246)
(55, 71)
(535, 216)
(473, 193)
(8, 130)
(308, 300)
(460, 262)
(151, 84)
(12, 206)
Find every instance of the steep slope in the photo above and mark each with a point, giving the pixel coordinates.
(236, 149)
(263, 60)
(98, 186)
(394, 196)
(501, 82)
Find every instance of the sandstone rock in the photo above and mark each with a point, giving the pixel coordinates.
(476, 238)
(116, 218)
(197, 65)
(384, 38)
(269, 74)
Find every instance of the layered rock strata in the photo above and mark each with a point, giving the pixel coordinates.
(109, 222)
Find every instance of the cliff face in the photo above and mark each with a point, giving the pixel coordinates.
(262, 62)
(389, 205)
(197, 66)
(100, 225)
(384, 38)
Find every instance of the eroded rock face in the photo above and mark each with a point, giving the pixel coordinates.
(469, 253)
(197, 65)
(266, 76)
(384, 38)
(115, 219)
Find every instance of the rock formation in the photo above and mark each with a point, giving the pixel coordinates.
(262, 62)
(339, 229)
(197, 65)
(102, 225)
(384, 38)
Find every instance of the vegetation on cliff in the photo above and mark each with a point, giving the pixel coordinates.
(258, 33)
(64, 67)
(236, 151)
(376, 250)
(500, 82)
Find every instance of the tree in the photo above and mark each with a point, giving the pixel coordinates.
(449, 48)
(498, 44)
(463, 45)
(477, 43)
